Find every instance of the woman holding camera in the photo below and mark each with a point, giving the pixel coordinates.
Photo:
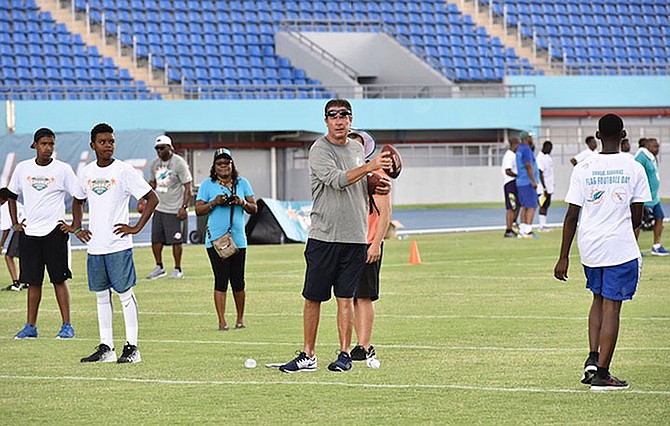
(225, 196)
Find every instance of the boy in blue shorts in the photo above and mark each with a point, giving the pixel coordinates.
(609, 189)
(527, 178)
(108, 184)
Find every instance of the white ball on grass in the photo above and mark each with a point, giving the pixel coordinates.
(250, 363)
(374, 363)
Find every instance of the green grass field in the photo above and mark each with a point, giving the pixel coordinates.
(480, 333)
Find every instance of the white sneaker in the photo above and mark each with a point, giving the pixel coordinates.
(157, 272)
(176, 274)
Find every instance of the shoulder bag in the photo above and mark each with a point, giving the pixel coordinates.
(224, 245)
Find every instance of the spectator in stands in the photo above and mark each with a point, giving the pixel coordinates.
(219, 196)
(367, 290)
(625, 147)
(43, 182)
(526, 184)
(509, 188)
(609, 254)
(336, 248)
(13, 246)
(591, 145)
(647, 156)
(107, 184)
(545, 165)
(171, 180)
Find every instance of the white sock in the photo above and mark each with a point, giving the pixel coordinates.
(656, 246)
(129, 305)
(523, 228)
(105, 317)
(543, 221)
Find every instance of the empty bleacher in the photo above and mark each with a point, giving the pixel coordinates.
(225, 49)
(40, 59)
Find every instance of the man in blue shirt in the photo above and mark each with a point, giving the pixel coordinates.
(527, 178)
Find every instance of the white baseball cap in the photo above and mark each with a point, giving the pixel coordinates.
(163, 140)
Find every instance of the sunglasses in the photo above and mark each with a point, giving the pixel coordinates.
(160, 147)
(223, 163)
(342, 113)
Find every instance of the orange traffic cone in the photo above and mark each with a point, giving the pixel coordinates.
(414, 258)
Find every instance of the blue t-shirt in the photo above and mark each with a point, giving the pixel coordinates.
(219, 218)
(525, 155)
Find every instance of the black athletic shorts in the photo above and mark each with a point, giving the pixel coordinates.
(37, 252)
(368, 284)
(336, 265)
(511, 196)
(231, 269)
(168, 229)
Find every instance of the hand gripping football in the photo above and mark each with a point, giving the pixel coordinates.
(374, 181)
(396, 160)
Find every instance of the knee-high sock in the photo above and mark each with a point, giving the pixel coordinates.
(543, 221)
(105, 317)
(129, 304)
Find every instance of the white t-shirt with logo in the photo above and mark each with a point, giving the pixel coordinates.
(43, 189)
(546, 165)
(108, 190)
(604, 186)
(508, 162)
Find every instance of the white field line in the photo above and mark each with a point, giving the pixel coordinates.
(378, 315)
(378, 345)
(316, 383)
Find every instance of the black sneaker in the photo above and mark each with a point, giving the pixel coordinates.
(12, 287)
(510, 234)
(342, 363)
(590, 368)
(102, 353)
(130, 354)
(608, 383)
(358, 353)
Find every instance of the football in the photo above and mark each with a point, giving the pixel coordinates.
(374, 181)
(396, 160)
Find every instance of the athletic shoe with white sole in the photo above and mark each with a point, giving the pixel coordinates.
(300, 363)
(590, 368)
(176, 274)
(28, 332)
(156, 273)
(660, 251)
(342, 363)
(130, 354)
(103, 353)
(12, 287)
(66, 331)
(608, 383)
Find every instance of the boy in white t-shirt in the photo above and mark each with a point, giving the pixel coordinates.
(609, 189)
(12, 251)
(43, 234)
(108, 184)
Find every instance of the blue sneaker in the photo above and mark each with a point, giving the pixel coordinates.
(342, 363)
(660, 251)
(28, 332)
(66, 331)
(300, 363)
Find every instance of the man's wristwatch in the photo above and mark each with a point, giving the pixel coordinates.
(185, 206)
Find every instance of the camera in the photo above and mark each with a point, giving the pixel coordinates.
(228, 200)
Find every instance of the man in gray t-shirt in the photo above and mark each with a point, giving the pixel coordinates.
(171, 179)
(337, 245)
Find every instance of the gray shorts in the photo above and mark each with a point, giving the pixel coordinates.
(13, 246)
(168, 229)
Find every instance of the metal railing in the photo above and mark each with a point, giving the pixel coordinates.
(194, 91)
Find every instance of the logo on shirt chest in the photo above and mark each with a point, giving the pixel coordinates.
(40, 182)
(100, 185)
